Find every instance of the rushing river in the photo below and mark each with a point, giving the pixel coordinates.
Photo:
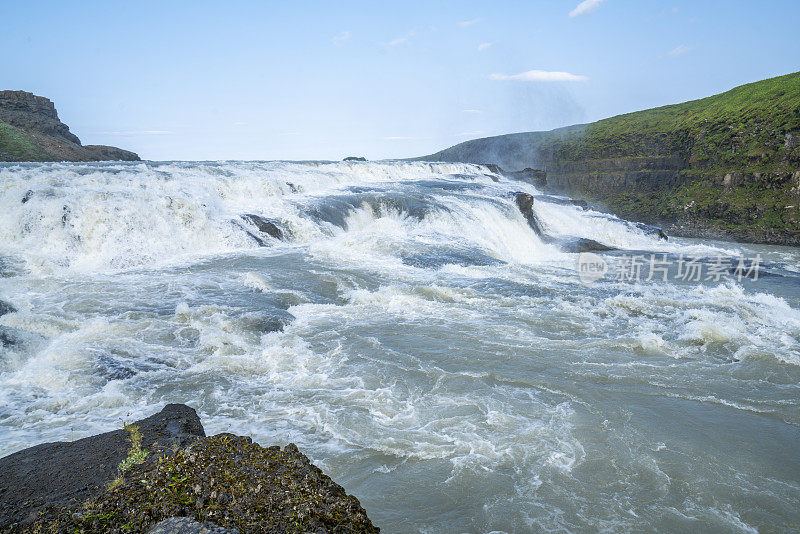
(413, 335)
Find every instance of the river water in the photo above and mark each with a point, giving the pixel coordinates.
(413, 335)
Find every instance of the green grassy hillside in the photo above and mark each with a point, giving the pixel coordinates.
(19, 145)
(726, 165)
(743, 128)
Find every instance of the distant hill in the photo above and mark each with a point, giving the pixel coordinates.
(724, 166)
(31, 131)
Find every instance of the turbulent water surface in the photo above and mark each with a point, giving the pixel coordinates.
(412, 334)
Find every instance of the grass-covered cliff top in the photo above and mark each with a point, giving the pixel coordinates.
(727, 165)
(743, 127)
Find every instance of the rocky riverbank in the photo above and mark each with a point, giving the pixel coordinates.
(30, 130)
(141, 477)
(726, 166)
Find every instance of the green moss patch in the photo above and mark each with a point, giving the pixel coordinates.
(227, 480)
(16, 145)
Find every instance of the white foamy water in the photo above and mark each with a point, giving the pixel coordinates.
(412, 334)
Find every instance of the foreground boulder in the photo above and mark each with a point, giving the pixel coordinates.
(163, 467)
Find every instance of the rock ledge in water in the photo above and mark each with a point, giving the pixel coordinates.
(164, 467)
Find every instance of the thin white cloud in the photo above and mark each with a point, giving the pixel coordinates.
(469, 134)
(680, 50)
(401, 40)
(585, 7)
(468, 23)
(540, 76)
(397, 138)
(341, 38)
(130, 133)
(472, 111)
(483, 46)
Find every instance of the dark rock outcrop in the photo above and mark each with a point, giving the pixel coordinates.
(111, 153)
(652, 230)
(5, 308)
(263, 225)
(64, 474)
(32, 131)
(34, 114)
(136, 479)
(575, 244)
(355, 158)
(525, 204)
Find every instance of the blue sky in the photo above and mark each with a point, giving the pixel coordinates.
(323, 80)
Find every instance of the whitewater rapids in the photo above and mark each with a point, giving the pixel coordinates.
(412, 334)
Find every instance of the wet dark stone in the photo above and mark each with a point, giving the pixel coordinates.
(582, 244)
(574, 244)
(6, 340)
(113, 369)
(355, 158)
(5, 308)
(525, 205)
(68, 473)
(265, 226)
(226, 480)
(27, 197)
(652, 230)
(496, 169)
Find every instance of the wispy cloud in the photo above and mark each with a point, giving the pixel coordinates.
(467, 23)
(341, 38)
(469, 134)
(585, 7)
(472, 111)
(540, 76)
(397, 138)
(130, 133)
(483, 46)
(680, 50)
(401, 40)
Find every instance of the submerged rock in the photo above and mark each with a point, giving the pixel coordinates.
(496, 169)
(5, 308)
(583, 244)
(652, 230)
(136, 479)
(265, 226)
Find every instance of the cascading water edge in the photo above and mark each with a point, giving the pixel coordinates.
(411, 332)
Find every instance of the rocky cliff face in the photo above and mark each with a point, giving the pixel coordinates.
(726, 166)
(30, 130)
